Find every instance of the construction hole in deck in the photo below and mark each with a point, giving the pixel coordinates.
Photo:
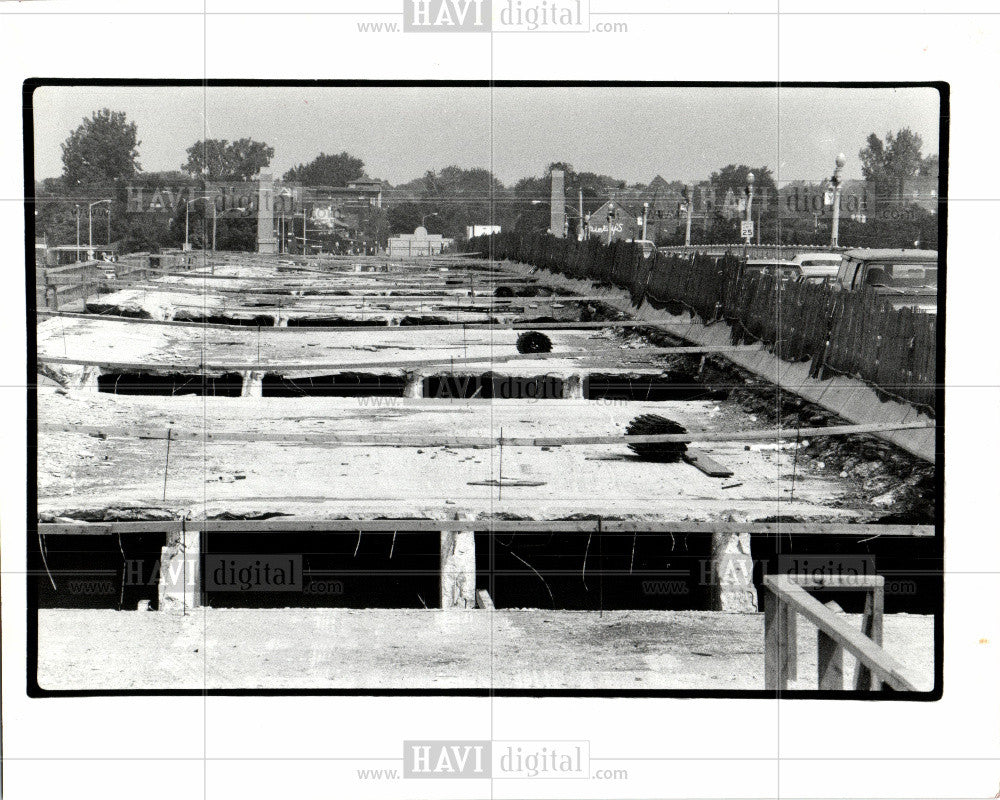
(343, 384)
(257, 321)
(346, 570)
(646, 388)
(594, 571)
(229, 384)
(911, 566)
(105, 310)
(107, 572)
(424, 320)
(493, 386)
(335, 322)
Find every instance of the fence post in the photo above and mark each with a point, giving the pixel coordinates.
(829, 662)
(775, 642)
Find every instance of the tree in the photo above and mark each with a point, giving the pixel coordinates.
(222, 160)
(886, 166)
(729, 185)
(459, 198)
(328, 170)
(929, 166)
(103, 150)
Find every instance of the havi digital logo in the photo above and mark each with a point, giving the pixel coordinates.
(506, 15)
(447, 15)
(447, 759)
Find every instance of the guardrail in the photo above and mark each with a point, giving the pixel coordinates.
(786, 598)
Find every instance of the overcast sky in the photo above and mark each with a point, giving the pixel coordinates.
(400, 133)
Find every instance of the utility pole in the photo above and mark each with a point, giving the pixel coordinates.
(839, 163)
(645, 216)
(749, 191)
(581, 215)
(77, 231)
(611, 218)
(303, 231)
(689, 203)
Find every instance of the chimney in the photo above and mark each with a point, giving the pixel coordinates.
(557, 220)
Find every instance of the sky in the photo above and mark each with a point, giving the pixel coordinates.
(631, 133)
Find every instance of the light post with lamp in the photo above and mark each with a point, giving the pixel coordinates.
(423, 219)
(688, 194)
(749, 192)
(835, 181)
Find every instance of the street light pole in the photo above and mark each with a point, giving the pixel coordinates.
(839, 163)
(688, 202)
(645, 216)
(611, 218)
(749, 190)
(77, 231)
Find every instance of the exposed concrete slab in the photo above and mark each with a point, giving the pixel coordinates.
(150, 346)
(77, 471)
(410, 649)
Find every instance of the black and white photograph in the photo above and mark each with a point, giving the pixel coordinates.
(500, 399)
(631, 420)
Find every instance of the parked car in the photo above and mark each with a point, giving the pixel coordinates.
(786, 270)
(818, 267)
(907, 278)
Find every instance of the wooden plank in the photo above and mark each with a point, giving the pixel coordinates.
(354, 366)
(792, 637)
(867, 582)
(412, 525)
(882, 665)
(709, 466)
(775, 643)
(484, 601)
(829, 663)
(394, 440)
(871, 626)
(623, 323)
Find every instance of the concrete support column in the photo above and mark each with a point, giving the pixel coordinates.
(253, 384)
(414, 385)
(180, 572)
(731, 571)
(573, 387)
(88, 379)
(267, 242)
(458, 569)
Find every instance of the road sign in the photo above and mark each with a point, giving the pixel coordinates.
(746, 229)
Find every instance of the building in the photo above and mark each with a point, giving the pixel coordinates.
(418, 243)
(623, 221)
(472, 231)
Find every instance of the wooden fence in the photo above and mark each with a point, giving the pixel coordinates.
(856, 334)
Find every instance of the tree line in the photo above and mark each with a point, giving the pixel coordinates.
(101, 159)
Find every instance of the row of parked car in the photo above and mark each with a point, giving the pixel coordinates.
(905, 278)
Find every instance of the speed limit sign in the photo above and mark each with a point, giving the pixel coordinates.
(746, 229)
